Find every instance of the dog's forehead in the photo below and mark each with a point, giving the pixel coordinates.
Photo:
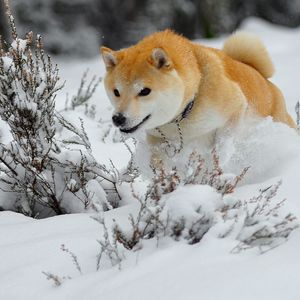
(133, 74)
(133, 68)
(135, 86)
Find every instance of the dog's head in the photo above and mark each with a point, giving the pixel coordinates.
(143, 86)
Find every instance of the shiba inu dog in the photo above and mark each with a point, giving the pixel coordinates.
(167, 83)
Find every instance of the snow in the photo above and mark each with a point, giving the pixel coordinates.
(19, 44)
(7, 62)
(164, 268)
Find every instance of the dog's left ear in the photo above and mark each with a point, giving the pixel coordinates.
(160, 59)
(109, 57)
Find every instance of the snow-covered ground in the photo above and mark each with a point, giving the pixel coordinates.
(166, 269)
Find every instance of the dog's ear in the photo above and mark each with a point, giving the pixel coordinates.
(160, 59)
(109, 57)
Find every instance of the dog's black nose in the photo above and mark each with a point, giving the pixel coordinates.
(119, 119)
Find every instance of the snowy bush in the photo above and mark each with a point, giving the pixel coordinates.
(45, 175)
(187, 208)
(164, 209)
(84, 94)
(259, 221)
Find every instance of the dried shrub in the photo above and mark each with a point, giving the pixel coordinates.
(200, 173)
(261, 222)
(84, 93)
(45, 175)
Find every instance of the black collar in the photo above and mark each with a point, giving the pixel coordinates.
(187, 110)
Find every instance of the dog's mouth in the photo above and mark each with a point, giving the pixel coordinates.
(134, 128)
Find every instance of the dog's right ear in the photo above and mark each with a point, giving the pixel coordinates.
(160, 59)
(109, 57)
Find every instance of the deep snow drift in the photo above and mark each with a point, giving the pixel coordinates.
(164, 268)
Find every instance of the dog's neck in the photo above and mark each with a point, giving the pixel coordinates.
(158, 131)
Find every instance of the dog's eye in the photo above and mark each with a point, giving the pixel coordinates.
(116, 92)
(144, 92)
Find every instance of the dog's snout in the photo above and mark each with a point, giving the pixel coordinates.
(119, 119)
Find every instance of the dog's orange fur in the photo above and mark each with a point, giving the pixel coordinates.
(232, 82)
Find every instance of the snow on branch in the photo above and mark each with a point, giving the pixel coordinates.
(44, 174)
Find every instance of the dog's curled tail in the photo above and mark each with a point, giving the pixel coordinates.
(249, 49)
